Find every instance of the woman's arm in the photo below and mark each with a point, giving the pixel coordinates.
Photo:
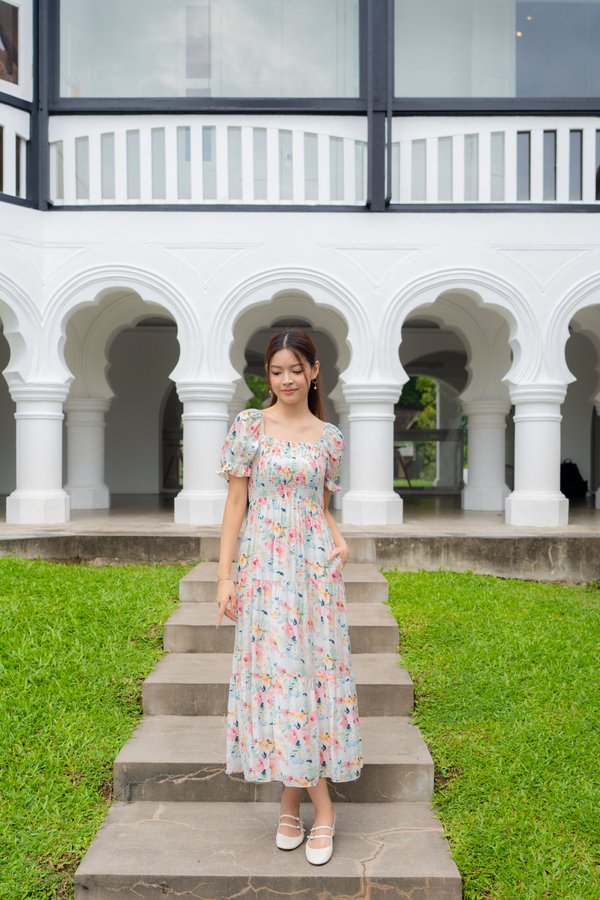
(233, 516)
(341, 547)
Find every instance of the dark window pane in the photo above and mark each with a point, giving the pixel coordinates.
(218, 48)
(497, 48)
(575, 149)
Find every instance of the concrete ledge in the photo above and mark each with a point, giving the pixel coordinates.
(543, 557)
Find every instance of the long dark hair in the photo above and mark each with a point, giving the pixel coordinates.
(302, 346)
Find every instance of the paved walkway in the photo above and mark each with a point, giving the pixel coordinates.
(429, 516)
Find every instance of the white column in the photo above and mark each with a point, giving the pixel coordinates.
(447, 416)
(39, 498)
(342, 409)
(240, 399)
(536, 499)
(371, 499)
(597, 493)
(205, 426)
(85, 453)
(487, 455)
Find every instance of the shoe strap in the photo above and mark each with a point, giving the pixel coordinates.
(290, 824)
(317, 827)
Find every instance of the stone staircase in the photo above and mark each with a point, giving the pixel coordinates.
(181, 827)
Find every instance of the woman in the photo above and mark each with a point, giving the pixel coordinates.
(292, 711)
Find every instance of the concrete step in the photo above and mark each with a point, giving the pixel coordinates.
(197, 684)
(212, 851)
(363, 580)
(191, 628)
(182, 758)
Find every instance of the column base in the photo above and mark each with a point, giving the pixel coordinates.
(37, 507)
(89, 497)
(543, 508)
(597, 496)
(199, 507)
(491, 499)
(372, 508)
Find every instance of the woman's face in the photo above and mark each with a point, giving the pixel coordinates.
(290, 379)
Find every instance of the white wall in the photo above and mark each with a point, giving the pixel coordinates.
(7, 426)
(140, 362)
(577, 408)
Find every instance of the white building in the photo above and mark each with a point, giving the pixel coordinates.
(415, 180)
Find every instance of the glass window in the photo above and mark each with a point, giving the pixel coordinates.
(9, 42)
(213, 48)
(497, 48)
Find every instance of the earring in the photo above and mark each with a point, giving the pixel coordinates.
(315, 384)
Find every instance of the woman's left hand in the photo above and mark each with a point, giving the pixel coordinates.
(342, 551)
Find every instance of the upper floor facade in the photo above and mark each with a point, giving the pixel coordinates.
(352, 105)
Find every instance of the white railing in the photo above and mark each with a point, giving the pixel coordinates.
(491, 159)
(14, 135)
(271, 160)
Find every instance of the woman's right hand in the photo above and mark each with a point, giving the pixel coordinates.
(226, 600)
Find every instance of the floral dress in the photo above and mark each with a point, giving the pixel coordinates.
(292, 713)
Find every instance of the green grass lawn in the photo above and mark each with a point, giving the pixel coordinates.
(507, 682)
(506, 679)
(75, 646)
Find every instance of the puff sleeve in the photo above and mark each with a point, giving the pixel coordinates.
(240, 445)
(334, 456)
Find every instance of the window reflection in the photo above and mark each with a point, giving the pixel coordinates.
(497, 48)
(218, 48)
(9, 43)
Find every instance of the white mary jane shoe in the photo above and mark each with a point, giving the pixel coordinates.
(320, 855)
(286, 841)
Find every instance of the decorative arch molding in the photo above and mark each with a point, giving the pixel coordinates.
(89, 287)
(485, 341)
(583, 295)
(322, 291)
(88, 343)
(21, 327)
(487, 290)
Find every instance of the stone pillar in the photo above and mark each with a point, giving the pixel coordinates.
(447, 469)
(85, 453)
(487, 455)
(39, 498)
(371, 499)
(205, 426)
(342, 409)
(536, 499)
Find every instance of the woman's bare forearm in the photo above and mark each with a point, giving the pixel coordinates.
(233, 516)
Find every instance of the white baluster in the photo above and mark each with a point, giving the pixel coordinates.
(68, 170)
(458, 168)
(349, 171)
(10, 161)
(485, 166)
(222, 162)
(510, 166)
(171, 160)
(95, 169)
(589, 165)
(272, 166)
(145, 165)
(196, 169)
(536, 158)
(562, 164)
(323, 166)
(247, 164)
(431, 170)
(120, 166)
(298, 191)
(405, 150)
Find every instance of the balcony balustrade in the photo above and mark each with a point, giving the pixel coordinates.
(495, 159)
(258, 160)
(14, 135)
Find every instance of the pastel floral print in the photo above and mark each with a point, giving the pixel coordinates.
(292, 712)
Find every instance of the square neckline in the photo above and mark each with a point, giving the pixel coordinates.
(270, 437)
